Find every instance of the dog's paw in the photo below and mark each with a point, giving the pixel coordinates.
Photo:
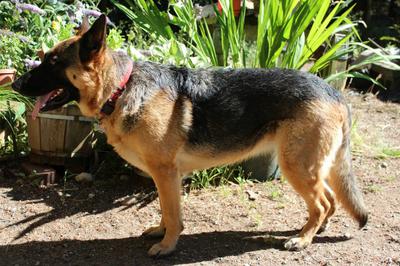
(296, 243)
(159, 249)
(154, 232)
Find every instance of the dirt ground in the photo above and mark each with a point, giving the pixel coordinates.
(101, 224)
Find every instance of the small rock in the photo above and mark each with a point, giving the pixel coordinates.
(383, 165)
(348, 235)
(91, 195)
(252, 195)
(84, 177)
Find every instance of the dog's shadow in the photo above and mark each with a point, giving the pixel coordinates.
(192, 248)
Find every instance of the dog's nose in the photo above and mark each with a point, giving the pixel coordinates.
(19, 83)
(16, 85)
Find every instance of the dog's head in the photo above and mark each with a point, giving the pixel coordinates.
(69, 71)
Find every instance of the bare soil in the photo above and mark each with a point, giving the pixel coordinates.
(101, 224)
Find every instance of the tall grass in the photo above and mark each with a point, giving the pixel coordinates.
(7, 95)
(11, 115)
(289, 33)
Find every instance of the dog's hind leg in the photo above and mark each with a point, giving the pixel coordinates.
(318, 208)
(168, 186)
(330, 195)
(306, 151)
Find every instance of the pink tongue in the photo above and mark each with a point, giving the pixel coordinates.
(40, 102)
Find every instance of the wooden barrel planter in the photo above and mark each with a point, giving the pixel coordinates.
(54, 135)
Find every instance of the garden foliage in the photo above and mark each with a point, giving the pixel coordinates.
(290, 34)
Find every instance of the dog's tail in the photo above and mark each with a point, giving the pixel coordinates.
(344, 183)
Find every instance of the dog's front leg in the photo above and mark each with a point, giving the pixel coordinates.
(168, 185)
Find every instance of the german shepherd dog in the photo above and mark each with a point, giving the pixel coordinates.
(169, 121)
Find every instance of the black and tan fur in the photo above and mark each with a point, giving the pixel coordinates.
(171, 121)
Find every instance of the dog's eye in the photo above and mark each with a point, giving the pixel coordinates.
(53, 59)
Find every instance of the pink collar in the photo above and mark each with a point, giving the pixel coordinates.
(109, 106)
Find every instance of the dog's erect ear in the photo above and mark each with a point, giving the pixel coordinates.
(84, 27)
(93, 41)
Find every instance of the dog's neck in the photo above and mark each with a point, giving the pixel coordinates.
(121, 63)
(118, 63)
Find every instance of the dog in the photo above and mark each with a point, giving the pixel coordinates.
(169, 121)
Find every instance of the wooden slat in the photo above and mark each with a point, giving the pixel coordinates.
(33, 133)
(53, 132)
(76, 131)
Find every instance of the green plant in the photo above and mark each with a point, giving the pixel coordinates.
(274, 191)
(216, 176)
(11, 51)
(389, 153)
(196, 33)
(12, 109)
(114, 39)
(289, 34)
(374, 188)
(377, 56)
(290, 31)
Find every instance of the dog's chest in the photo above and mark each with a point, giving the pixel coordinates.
(123, 144)
(130, 156)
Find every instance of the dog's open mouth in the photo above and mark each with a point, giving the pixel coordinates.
(51, 101)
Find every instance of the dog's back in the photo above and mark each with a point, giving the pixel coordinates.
(233, 109)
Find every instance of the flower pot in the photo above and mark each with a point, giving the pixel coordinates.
(7, 76)
(236, 7)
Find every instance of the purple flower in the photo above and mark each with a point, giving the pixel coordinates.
(10, 33)
(31, 63)
(96, 14)
(30, 8)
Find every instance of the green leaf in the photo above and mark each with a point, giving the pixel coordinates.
(328, 56)
(345, 74)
